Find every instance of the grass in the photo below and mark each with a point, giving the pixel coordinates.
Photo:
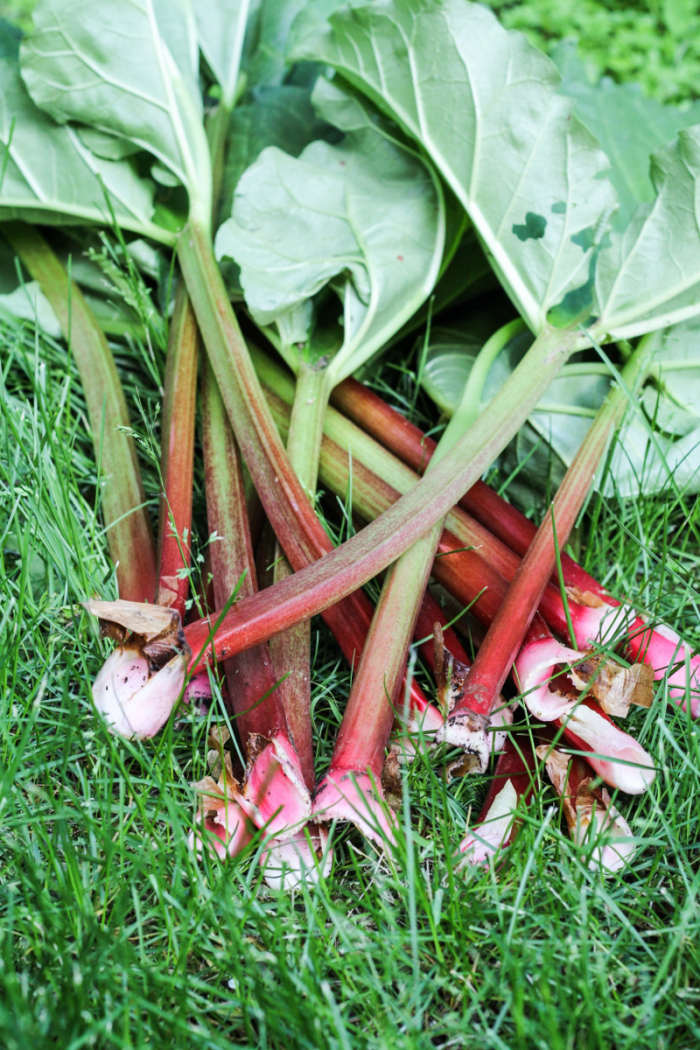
(112, 935)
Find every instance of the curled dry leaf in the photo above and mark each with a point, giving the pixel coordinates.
(391, 779)
(450, 674)
(587, 598)
(614, 686)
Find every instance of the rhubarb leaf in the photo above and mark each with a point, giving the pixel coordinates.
(268, 62)
(279, 116)
(642, 465)
(483, 104)
(628, 125)
(365, 215)
(649, 277)
(28, 303)
(128, 69)
(221, 26)
(538, 457)
(680, 366)
(48, 175)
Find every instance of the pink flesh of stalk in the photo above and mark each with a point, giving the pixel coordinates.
(507, 523)
(223, 827)
(128, 529)
(177, 455)
(274, 782)
(301, 857)
(135, 703)
(617, 757)
(512, 782)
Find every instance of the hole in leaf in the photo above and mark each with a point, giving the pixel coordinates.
(533, 228)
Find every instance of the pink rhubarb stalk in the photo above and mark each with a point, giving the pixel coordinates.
(274, 794)
(358, 757)
(505, 636)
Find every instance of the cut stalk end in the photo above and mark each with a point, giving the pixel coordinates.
(358, 799)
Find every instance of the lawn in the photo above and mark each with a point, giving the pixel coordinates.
(113, 934)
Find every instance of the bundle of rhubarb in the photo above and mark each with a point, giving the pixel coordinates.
(319, 191)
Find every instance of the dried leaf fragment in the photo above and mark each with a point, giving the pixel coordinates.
(614, 686)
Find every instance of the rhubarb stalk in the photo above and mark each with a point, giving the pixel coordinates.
(353, 780)
(292, 648)
(274, 794)
(476, 583)
(127, 525)
(177, 455)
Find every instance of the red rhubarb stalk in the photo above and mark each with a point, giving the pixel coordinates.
(177, 455)
(292, 648)
(509, 793)
(274, 794)
(475, 583)
(127, 526)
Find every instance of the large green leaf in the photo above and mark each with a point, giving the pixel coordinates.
(279, 116)
(28, 303)
(127, 68)
(366, 215)
(649, 276)
(483, 103)
(628, 125)
(221, 26)
(642, 463)
(48, 175)
(267, 64)
(680, 372)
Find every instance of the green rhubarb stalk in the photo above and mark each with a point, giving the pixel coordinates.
(470, 403)
(291, 650)
(505, 636)
(127, 526)
(177, 455)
